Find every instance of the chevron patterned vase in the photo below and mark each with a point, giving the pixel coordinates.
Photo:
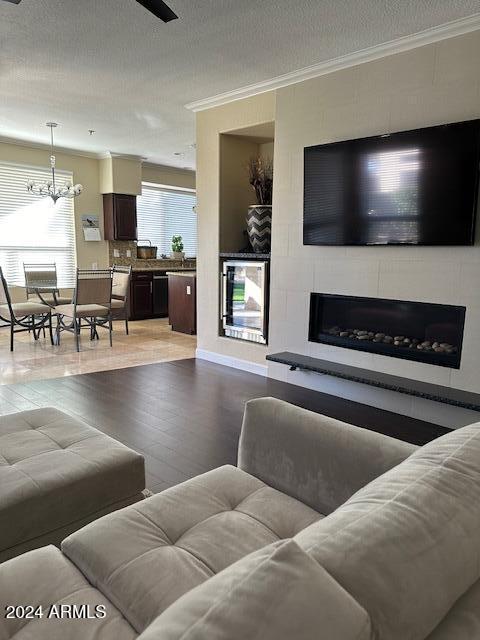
(259, 227)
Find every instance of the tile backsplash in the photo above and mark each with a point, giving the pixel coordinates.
(123, 247)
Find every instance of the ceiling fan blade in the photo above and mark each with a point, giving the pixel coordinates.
(14, 1)
(158, 8)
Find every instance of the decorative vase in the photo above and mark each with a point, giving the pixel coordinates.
(259, 227)
(177, 255)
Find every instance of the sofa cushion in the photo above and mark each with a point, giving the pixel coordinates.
(462, 622)
(407, 545)
(55, 469)
(276, 593)
(146, 556)
(43, 578)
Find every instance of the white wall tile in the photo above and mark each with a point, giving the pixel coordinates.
(402, 72)
(292, 274)
(457, 58)
(278, 305)
(347, 277)
(279, 238)
(430, 85)
(421, 280)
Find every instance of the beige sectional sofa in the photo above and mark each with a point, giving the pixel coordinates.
(324, 530)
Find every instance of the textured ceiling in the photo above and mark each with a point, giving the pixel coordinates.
(109, 65)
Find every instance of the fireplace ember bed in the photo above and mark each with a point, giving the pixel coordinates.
(419, 331)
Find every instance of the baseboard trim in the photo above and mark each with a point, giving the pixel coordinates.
(235, 363)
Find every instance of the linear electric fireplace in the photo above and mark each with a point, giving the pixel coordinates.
(419, 331)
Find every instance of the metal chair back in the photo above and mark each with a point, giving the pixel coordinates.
(94, 287)
(38, 276)
(121, 282)
(4, 293)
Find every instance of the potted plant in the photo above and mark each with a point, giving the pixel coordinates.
(259, 216)
(177, 248)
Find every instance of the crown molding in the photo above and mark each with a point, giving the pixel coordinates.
(405, 43)
(106, 155)
(167, 168)
(43, 146)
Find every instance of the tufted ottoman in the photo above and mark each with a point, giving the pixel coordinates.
(58, 474)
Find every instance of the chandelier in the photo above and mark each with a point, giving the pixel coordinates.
(50, 188)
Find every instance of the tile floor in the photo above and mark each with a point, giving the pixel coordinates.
(149, 341)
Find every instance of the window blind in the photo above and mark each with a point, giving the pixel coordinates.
(162, 213)
(32, 228)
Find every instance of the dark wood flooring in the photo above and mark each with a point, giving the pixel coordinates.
(185, 416)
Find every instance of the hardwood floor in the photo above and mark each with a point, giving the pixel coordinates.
(185, 416)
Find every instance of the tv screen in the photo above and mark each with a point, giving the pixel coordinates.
(410, 188)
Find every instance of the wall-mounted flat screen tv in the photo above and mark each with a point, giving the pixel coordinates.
(409, 188)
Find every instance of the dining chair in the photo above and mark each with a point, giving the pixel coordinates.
(92, 300)
(23, 316)
(41, 284)
(120, 293)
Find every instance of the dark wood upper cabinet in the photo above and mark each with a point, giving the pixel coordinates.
(120, 216)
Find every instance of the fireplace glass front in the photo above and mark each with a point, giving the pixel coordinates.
(420, 331)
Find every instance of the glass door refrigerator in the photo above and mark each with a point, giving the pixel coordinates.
(245, 300)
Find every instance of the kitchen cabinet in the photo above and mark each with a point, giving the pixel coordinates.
(148, 295)
(141, 298)
(160, 295)
(182, 302)
(120, 216)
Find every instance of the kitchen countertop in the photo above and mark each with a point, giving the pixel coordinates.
(245, 255)
(185, 274)
(160, 268)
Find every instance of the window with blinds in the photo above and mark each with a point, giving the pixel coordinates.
(32, 228)
(163, 212)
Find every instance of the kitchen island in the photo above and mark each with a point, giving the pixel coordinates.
(149, 291)
(182, 301)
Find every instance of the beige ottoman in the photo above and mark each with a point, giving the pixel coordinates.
(58, 474)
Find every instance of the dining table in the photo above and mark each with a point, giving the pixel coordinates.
(46, 289)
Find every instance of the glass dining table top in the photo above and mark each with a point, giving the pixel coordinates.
(46, 288)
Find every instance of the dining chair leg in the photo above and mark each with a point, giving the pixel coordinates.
(93, 329)
(126, 325)
(11, 336)
(50, 329)
(57, 332)
(77, 334)
(32, 322)
(110, 328)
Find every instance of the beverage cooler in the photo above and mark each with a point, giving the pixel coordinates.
(244, 308)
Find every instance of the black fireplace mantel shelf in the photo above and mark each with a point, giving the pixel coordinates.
(438, 393)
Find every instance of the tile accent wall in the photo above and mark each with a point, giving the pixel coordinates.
(430, 85)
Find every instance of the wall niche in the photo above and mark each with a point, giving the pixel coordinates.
(236, 194)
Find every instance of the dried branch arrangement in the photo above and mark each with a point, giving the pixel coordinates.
(260, 173)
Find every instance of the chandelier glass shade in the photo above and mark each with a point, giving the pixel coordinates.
(50, 187)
